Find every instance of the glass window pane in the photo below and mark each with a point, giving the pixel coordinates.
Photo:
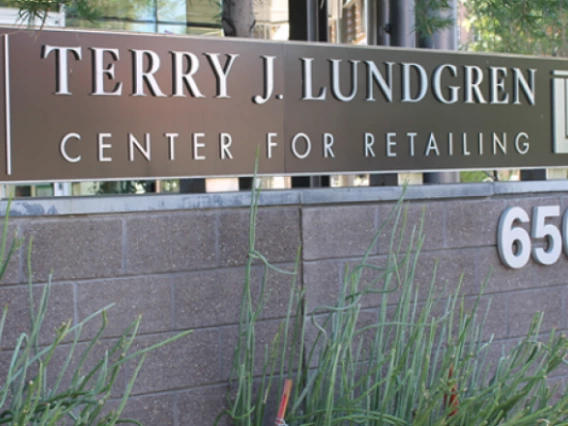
(113, 25)
(182, 29)
(194, 11)
(129, 9)
(272, 20)
(173, 10)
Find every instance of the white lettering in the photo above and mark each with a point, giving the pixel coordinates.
(225, 140)
(308, 146)
(369, 142)
(432, 146)
(406, 82)
(336, 79)
(183, 76)
(501, 143)
(521, 83)
(472, 83)
(270, 143)
(102, 146)
(525, 145)
(63, 147)
(62, 65)
(464, 145)
(172, 144)
(141, 76)
(221, 73)
(454, 90)
(133, 142)
(374, 76)
(498, 75)
(390, 144)
(268, 80)
(327, 145)
(197, 145)
(308, 76)
(99, 72)
(411, 137)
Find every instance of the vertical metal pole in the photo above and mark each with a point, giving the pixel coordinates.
(535, 174)
(308, 21)
(371, 21)
(424, 41)
(186, 186)
(401, 14)
(156, 16)
(338, 29)
(311, 35)
(445, 39)
(312, 19)
(396, 15)
(298, 20)
(300, 28)
(323, 27)
(322, 32)
(373, 30)
(382, 9)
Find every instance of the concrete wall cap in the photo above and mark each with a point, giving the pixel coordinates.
(152, 203)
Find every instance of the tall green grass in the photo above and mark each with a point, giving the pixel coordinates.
(423, 359)
(64, 382)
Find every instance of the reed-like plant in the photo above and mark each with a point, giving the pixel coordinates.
(64, 382)
(423, 360)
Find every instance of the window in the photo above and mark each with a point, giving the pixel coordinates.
(200, 17)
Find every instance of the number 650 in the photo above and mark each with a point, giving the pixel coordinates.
(514, 242)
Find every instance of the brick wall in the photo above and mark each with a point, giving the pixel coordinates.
(183, 268)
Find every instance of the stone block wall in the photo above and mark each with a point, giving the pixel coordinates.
(180, 263)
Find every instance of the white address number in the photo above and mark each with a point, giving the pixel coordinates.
(515, 243)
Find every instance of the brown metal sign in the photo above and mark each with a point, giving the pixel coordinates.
(94, 106)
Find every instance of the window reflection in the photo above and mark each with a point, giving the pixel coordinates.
(123, 9)
(173, 10)
(272, 20)
(197, 17)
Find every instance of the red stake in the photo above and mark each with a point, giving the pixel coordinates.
(451, 400)
(284, 403)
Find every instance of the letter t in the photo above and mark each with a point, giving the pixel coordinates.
(62, 65)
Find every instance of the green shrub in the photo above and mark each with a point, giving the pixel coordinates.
(76, 389)
(420, 361)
